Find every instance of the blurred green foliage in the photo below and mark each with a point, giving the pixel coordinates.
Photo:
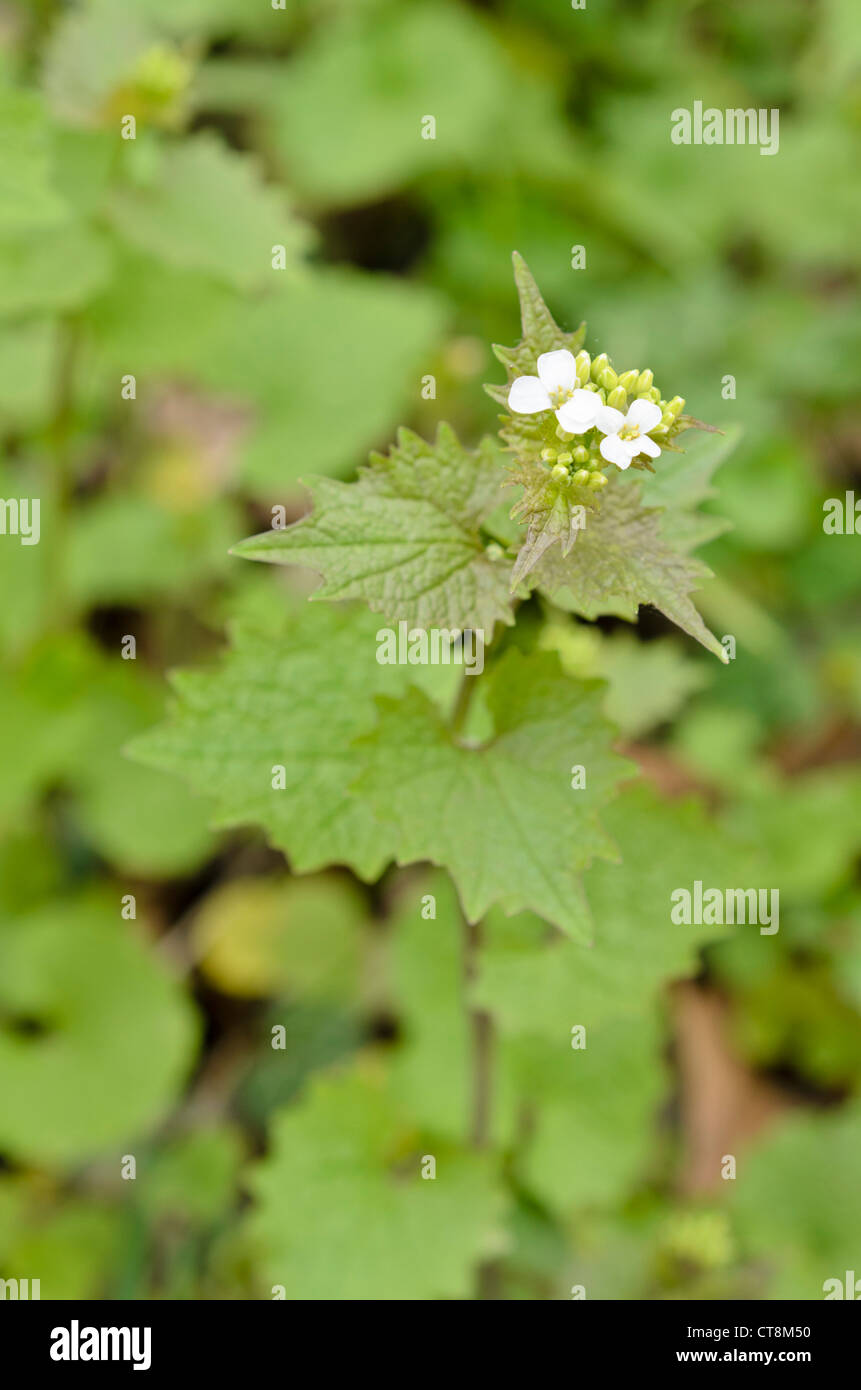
(300, 131)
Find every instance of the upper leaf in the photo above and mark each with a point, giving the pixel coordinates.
(554, 511)
(405, 536)
(502, 818)
(622, 560)
(541, 332)
(526, 434)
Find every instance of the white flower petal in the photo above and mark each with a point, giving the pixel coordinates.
(609, 420)
(527, 396)
(645, 414)
(616, 450)
(577, 415)
(557, 370)
(587, 402)
(571, 422)
(647, 446)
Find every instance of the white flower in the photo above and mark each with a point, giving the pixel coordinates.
(555, 388)
(627, 435)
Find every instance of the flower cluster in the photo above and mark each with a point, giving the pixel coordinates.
(615, 418)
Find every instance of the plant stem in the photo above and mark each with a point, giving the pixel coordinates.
(462, 703)
(481, 1029)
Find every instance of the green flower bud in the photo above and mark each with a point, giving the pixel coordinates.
(494, 551)
(583, 363)
(548, 455)
(644, 382)
(618, 398)
(599, 364)
(676, 406)
(629, 380)
(662, 428)
(609, 379)
(581, 454)
(559, 471)
(582, 476)
(597, 480)
(565, 458)
(653, 394)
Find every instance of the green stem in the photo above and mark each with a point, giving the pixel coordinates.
(462, 703)
(481, 1030)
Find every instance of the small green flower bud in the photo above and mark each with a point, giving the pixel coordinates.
(581, 476)
(583, 363)
(597, 480)
(618, 398)
(548, 455)
(676, 406)
(559, 471)
(565, 458)
(609, 379)
(581, 454)
(653, 394)
(662, 428)
(644, 381)
(599, 364)
(494, 551)
(629, 380)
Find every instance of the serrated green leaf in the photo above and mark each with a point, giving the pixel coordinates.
(620, 561)
(541, 332)
(279, 699)
(527, 434)
(405, 537)
(554, 512)
(502, 818)
(406, 1237)
(538, 984)
(208, 209)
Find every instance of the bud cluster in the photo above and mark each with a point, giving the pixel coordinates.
(578, 457)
